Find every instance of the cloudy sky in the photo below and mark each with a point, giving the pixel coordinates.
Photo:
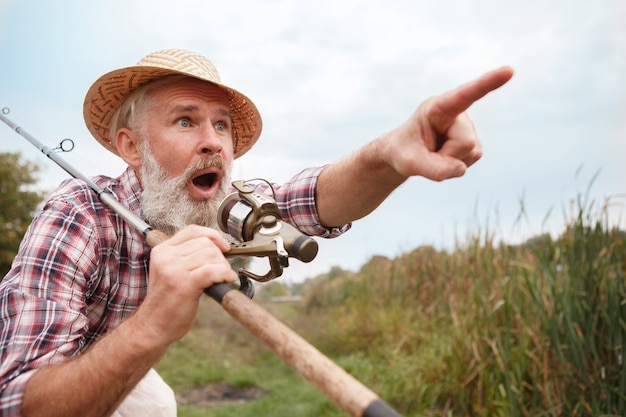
(328, 76)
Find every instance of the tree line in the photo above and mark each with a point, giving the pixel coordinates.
(18, 201)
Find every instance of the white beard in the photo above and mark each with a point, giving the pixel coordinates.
(166, 204)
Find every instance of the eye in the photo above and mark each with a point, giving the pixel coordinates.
(184, 122)
(221, 126)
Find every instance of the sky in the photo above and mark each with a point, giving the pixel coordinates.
(330, 76)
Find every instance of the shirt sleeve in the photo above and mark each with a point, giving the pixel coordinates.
(42, 298)
(296, 201)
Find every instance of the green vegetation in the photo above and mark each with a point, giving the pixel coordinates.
(17, 204)
(490, 329)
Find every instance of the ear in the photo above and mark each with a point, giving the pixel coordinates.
(127, 143)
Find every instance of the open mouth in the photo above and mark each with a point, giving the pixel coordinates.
(205, 181)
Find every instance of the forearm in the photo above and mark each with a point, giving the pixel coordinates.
(95, 383)
(353, 187)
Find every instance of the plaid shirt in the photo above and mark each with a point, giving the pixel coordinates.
(81, 270)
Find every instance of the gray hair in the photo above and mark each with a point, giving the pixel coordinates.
(135, 106)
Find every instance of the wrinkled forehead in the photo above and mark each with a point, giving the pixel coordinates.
(187, 88)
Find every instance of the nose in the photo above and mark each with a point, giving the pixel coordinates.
(210, 142)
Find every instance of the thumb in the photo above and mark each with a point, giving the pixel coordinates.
(439, 167)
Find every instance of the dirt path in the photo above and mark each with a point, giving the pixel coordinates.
(219, 393)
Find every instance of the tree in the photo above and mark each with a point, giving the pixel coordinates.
(17, 204)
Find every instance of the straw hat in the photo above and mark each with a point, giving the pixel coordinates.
(107, 93)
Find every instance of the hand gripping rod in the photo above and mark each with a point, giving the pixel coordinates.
(333, 381)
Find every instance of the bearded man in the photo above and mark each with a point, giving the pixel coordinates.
(88, 308)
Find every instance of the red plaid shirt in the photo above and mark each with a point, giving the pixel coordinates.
(81, 270)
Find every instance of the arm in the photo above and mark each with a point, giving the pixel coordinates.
(95, 383)
(437, 142)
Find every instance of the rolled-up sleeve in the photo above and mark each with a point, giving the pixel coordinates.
(296, 201)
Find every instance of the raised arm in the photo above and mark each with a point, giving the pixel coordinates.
(437, 142)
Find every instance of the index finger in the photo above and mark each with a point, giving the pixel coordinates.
(460, 99)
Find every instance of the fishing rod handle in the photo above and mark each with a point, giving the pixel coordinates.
(155, 237)
(332, 380)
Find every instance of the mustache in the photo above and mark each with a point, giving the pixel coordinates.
(213, 161)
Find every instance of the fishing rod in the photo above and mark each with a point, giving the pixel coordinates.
(254, 220)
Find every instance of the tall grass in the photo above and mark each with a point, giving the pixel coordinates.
(583, 314)
(490, 329)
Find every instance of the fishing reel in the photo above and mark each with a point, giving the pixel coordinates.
(253, 220)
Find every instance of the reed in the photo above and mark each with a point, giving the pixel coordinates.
(489, 329)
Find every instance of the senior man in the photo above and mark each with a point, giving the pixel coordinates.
(88, 308)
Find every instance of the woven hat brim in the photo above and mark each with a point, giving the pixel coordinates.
(107, 93)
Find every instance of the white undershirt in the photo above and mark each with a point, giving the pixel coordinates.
(152, 397)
